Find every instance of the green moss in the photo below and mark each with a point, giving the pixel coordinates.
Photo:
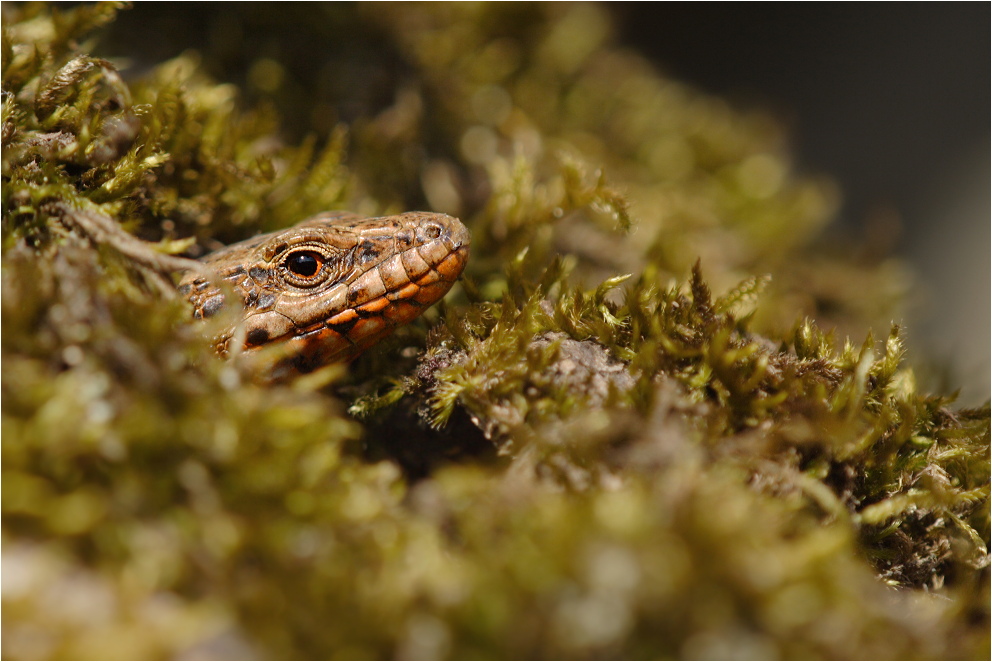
(584, 452)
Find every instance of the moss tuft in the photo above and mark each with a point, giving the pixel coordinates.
(632, 431)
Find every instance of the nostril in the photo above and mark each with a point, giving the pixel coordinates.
(460, 236)
(432, 231)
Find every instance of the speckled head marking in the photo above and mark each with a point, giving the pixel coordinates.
(336, 283)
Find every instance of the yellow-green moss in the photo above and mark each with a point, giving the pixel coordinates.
(632, 431)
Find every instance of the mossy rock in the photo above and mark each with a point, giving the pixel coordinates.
(582, 453)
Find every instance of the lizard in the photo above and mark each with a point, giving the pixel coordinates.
(333, 285)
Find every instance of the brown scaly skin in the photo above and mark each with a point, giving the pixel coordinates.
(335, 284)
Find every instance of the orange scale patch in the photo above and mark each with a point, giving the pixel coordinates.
(451, 266)
(343, 317)
(322, 335)
(375, 305)
(323, 345)
(404, 292)
(402, 312)
(368, 329)
(433, 292)
(428, 278)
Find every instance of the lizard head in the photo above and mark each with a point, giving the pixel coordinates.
(336, 283)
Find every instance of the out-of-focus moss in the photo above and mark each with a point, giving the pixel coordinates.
(584, 452)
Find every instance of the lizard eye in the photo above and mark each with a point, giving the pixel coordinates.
(304, 263)
(304, 268)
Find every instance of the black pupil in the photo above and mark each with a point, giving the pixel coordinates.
(303, 264)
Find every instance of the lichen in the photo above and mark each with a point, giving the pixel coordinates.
(634, 430)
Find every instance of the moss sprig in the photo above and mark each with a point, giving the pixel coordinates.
(561, 460)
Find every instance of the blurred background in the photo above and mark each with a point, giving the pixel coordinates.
(891, 100)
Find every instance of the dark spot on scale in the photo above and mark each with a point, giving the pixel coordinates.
(367, 251)
(186, 289)
(258, 274)
(266, 300)
(356, 295)
(344, 328)
(257, 336)
(213, 305)
(236, 271)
